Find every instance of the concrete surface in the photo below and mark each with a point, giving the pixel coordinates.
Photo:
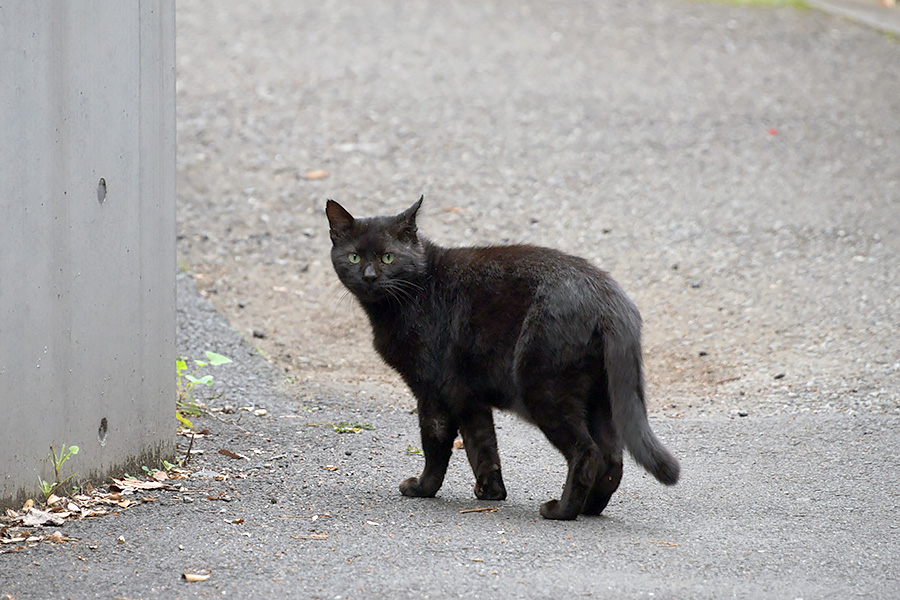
(733, 167)
(87, 249)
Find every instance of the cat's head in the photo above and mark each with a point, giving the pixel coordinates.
(378, 258)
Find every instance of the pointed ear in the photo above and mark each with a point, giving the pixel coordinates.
(407, 222)
(339, 219)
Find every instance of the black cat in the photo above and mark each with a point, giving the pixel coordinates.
(520, 328)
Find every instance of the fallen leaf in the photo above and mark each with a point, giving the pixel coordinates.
(53, 499)
(458, 444)
(137, 484)
(36, 517)
(28, 504)
(160, 475)
(316, 174)
(330, 468)
(56, 537)
(231, 454)
(194, 577)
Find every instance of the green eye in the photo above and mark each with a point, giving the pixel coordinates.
(387, 258)
(353, 258)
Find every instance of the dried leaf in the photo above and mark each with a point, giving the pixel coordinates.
(194, 577)
(53, 499)
(231, 454)
(458, 444)
(56, 537)
(330, 468)
(28, 504)
(36, 517)
(12, 540)
(160, 475)
(138, 484)
(316, 174)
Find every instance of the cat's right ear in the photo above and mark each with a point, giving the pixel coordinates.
(339, 219)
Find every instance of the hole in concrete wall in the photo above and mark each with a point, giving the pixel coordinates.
(101, 191)
(101, 433)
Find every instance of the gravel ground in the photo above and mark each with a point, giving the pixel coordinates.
(735, 168)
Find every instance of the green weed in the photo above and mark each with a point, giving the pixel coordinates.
(58, 460)
(186, 404)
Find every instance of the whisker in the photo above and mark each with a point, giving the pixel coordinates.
(397, 291)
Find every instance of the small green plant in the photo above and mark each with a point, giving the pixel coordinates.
(186, 404)
(351, 427)
(412, 450)
(58, 460)
(166, 466)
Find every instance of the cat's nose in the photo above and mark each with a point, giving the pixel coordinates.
(369, 273)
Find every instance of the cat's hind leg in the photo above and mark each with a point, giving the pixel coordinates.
(557, 408)
(480, 441)
(605, 485)
(438, 429)
(609, 473)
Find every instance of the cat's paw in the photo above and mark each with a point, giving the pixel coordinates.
(412, 487)
(492, 489)
(552, 510)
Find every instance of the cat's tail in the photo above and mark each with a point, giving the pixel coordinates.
(622, 354)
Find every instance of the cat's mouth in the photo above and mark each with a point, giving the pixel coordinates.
(387, 290)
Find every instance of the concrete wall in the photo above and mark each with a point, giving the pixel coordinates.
(87, 237)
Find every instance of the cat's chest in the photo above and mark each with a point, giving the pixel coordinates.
(401, 339)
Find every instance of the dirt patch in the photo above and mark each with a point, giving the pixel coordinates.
(762, 285)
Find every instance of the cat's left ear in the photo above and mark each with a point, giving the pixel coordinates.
(339, 219)
(407, 222)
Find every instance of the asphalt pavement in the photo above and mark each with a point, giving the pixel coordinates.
(772, 507)
(298, 498)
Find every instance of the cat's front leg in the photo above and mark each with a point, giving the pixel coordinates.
(480, 441)
(438, 429)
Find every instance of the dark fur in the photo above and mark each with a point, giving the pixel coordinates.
(520, 328)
